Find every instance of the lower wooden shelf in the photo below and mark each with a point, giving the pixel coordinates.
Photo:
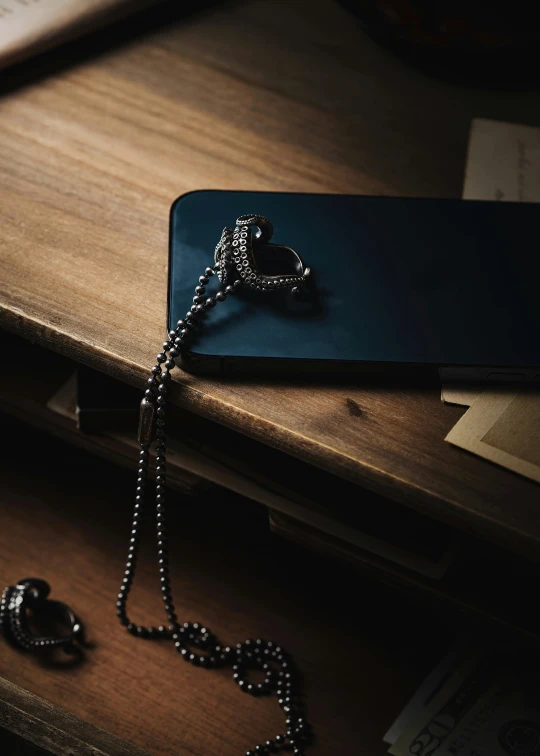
(65, 518)
(486, 585)
(386, 540)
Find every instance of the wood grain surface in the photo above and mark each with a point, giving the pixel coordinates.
(34, 720)
(97, 140)
(68, 523)
(489, 583)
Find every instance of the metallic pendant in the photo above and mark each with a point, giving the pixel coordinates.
(246, 255)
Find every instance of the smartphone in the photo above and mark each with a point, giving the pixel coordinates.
(397, 285)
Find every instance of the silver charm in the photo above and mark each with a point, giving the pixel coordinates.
(247, 256)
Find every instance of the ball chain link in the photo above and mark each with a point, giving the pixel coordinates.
(194, 642)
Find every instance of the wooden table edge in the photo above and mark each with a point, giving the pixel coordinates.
(49, 726)
(270, 434)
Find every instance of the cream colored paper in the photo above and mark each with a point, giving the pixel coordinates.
(503, 162)
(503, 427)
(463, 394)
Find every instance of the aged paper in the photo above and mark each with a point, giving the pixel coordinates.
(503, 427)
(463, 394)
(503, 162)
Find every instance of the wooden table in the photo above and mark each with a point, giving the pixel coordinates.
(97, 139)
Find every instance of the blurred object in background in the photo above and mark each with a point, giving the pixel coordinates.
(27, 28)
(482, 41)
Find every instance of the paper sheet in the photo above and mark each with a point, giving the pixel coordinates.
(503, 162)
(463, 394)
(504, 427)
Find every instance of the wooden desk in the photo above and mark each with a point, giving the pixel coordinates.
(97, 140)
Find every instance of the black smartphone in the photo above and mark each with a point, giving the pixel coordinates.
(397, 284)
